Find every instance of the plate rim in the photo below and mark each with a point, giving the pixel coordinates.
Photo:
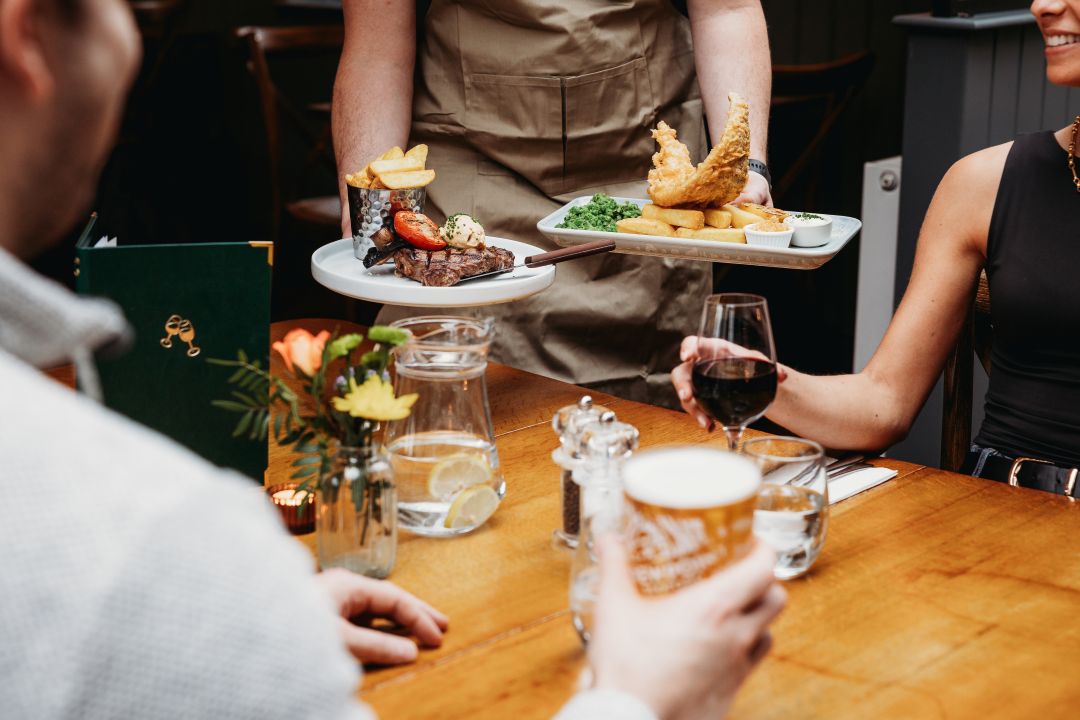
(429, 296)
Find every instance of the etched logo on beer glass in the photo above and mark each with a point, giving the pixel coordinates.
(689, 512)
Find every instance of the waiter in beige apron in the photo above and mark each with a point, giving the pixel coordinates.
(526, 104)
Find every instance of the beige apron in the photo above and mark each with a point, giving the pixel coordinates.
(527, 104)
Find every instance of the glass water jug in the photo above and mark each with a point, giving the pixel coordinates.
(445, 463)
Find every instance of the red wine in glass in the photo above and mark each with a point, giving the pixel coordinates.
(734, 375)
(734, 391)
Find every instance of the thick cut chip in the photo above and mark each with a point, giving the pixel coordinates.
(728, 235)
(765, 213)
(381, 167)
(360, 179)
(418, 152)
(644, 226)
(405, 180)
(392, 154)
(694, 219)
(741, 218)
(717, 218)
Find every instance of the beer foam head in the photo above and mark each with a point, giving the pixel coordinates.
(690, 477)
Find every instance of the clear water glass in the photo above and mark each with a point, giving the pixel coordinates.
(792, 511)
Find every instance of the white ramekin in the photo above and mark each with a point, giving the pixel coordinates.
(808, 232)
(767, 239)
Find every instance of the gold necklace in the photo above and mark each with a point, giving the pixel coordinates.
(1072, 153)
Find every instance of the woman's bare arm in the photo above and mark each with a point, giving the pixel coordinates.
(876, 407)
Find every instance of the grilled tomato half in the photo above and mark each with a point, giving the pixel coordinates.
(418, 230)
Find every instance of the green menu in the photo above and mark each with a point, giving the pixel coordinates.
(187, 303)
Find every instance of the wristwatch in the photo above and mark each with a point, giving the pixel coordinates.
(761, 169)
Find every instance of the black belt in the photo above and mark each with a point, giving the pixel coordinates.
(1027, 472)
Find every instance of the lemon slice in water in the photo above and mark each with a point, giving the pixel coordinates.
(472, 507)
(453, 474)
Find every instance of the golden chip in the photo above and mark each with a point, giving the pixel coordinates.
(644, 226)
(420, 153)
(404, 164)
(728, 235)
(718, 218)
(694, 219)
(404, 180)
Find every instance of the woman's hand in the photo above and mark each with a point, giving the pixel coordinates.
(696, 348)
(684, 654)
(360, 600)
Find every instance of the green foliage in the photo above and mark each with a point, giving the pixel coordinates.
(266, 403)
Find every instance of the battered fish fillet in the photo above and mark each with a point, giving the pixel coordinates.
(675, 182)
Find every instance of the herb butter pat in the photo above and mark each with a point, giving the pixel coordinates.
(462, 231)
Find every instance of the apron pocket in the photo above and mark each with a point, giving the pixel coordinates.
(516, 121)
(609, 118)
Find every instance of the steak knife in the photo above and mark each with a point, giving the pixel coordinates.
(550, 258)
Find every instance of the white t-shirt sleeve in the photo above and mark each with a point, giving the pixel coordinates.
(215, 615)
(605, 705)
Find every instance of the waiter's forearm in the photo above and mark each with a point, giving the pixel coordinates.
(372, 108)
(731, 52)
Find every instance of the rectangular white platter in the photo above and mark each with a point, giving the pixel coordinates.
(843, 229)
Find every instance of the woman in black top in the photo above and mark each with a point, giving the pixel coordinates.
(1015, 210)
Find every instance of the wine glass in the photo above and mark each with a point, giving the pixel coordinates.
(734, 376)
(187, 334)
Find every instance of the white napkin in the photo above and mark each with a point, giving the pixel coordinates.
(855, 482)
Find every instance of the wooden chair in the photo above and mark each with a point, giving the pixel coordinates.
(262, 42)
(827, 87)
(977, 336)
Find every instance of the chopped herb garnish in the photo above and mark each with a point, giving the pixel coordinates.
(809, 216)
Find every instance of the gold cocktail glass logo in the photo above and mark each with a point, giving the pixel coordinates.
(177, 326)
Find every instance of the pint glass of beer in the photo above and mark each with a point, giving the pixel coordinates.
(689, 512)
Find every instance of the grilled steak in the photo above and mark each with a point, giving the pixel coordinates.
(443, 268)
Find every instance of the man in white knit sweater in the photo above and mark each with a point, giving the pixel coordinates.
(140, 582)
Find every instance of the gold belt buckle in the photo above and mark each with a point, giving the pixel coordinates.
(1014, 471)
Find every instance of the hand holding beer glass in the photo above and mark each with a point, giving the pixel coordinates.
(689, 520)
(734, 372)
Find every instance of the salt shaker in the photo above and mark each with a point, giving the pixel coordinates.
(604, 446)
(568, 424)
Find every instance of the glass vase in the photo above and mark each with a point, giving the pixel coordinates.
(356, 516)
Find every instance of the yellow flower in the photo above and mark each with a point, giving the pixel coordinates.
(374, 400)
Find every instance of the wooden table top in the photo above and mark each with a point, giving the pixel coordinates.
(936, 596)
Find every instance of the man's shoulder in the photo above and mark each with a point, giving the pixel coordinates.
(52, 437)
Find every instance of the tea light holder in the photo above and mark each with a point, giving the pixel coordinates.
(297, 510)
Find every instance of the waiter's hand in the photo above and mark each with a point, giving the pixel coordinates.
(756, 191)
(695, 348)
(360, 600)
(684, 654)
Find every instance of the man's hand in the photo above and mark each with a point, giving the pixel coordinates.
(696, 348)
(360, 600)
(756, 191)
(685, 654)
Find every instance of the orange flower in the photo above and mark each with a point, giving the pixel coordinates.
(302, 350)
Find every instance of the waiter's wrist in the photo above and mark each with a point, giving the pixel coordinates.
(761, 169)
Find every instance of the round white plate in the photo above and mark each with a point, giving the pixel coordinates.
(334, 266)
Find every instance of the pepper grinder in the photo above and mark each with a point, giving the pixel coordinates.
(568, 424)
(605, 446)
